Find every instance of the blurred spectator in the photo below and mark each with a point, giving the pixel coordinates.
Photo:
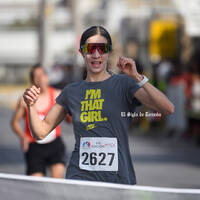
(176, 124)
(192, 77)
(164, 70)
(161, 84)
(161, 74)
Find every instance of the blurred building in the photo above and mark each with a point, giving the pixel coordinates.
(19, 37)
(146, 30)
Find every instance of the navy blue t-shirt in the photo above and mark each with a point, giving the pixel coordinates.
(101, 150)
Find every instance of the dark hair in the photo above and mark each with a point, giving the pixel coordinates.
(95, 30)
(33, 68)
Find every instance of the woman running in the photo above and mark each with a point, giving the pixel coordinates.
(97, 105)
(49, 152)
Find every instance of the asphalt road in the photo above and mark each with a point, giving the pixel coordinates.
(158, 161)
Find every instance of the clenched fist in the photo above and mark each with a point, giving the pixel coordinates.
(128, 66)
(31, 95)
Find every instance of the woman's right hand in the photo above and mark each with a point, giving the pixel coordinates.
(31, 95)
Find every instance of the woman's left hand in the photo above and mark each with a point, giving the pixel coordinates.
(128, 66)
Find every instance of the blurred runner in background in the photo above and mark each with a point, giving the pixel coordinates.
(51, 150)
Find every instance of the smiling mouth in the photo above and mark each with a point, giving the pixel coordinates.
(96, 62)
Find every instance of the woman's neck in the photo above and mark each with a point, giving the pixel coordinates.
(91, 77)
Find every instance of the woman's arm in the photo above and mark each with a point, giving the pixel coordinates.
(17, 117)
(152, 98)
(148, 95)
(41, 128)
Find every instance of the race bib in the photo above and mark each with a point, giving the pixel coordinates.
(98, 154)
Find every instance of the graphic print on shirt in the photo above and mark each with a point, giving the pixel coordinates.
(91, 108)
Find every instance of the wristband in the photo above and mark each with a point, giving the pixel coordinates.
(143, 81)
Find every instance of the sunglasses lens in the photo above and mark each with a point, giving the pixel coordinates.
(91, 47)
(103, 48)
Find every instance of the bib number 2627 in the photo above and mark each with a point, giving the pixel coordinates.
(98, 154)
(92, 158)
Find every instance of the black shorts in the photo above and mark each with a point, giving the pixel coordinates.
(40, 156)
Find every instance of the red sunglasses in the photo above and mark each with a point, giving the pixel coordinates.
(91, 47)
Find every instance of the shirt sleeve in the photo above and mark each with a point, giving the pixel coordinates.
(62, 100)
(131, 88)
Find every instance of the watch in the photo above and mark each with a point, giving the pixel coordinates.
(143, 81)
